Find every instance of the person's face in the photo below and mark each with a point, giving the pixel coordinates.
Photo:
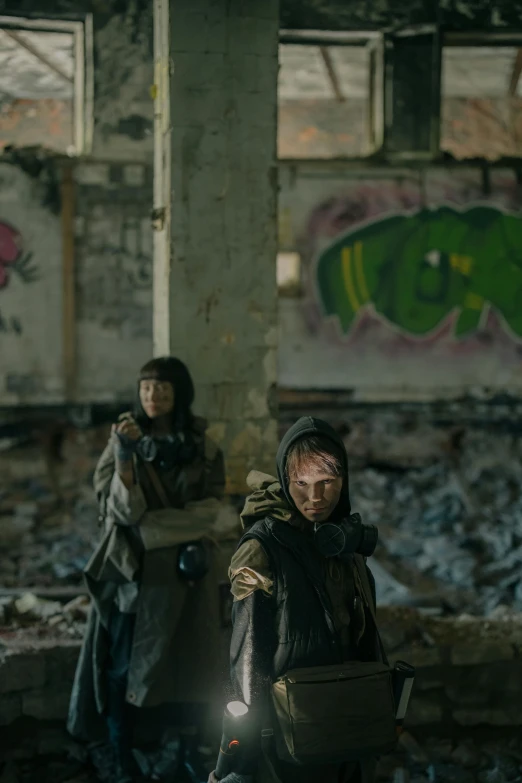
(157, 398)
(315, 493)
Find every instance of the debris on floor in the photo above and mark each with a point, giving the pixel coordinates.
(447, 500)
(467, 759)
(48, 515)
(449, 517)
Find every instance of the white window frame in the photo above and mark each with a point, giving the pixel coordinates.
(83, 99)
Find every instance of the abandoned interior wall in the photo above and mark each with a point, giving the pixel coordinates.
(448, 324)
(113, 247)
(317, 204)
(113, 262)
(30, 291)
(410, 279)
(113, 283)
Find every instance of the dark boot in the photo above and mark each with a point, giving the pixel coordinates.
(102, 759)
(126, 769)
(119, 720)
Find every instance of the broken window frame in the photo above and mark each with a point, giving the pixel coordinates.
(355, 38)
(380, 79)
(388, 97)
(375, 121)
(508, 38)
(83, 85)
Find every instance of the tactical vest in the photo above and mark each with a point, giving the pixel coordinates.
(304, 624)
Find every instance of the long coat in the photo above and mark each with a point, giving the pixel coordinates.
(179, 651)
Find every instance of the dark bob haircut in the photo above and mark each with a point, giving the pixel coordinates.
(174, 371)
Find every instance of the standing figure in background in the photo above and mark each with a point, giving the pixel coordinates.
(159, 484)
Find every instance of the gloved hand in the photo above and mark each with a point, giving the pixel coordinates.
(125, 435)
(231, 778)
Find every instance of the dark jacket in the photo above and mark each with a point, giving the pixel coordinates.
(172, 646)
(294, 626)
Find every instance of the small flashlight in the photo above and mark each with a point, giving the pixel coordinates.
(232, 740)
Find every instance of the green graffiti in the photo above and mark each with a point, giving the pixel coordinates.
(418, 269)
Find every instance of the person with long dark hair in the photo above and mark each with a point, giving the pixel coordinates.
(159, 483)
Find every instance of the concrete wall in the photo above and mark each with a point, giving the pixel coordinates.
(113, 263)
(223, 301)
(30, 291)
(378, 355)
(113, 278)
(397, 322)
(36, 674)
(375, 358)
(113, 282)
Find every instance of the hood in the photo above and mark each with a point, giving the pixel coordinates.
(306, 426)
(267, 499)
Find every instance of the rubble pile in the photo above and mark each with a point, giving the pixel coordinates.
(447, 500)
(48, 511)
(449, 513)
(57, 619)
(465, 760)
(47, 769)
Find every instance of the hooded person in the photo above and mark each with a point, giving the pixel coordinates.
(297, 602)
(159, 483)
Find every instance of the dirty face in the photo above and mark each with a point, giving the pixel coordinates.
(315, 492)
(156, 397)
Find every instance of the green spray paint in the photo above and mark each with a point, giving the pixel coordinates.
(417, 269)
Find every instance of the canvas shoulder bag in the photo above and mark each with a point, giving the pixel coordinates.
(331, 714)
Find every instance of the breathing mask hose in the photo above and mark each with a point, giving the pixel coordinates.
(347, 537)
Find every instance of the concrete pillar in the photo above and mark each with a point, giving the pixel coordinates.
(222, 282)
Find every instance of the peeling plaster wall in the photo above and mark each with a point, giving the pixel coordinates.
(113, 248)
(223, 299)
(113, 278)
(402, 341)
(222, 216)
(113, 284)
(30, 292)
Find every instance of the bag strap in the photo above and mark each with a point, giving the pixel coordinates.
(158, 486)
(360, 565)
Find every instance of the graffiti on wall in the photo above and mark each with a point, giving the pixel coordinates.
(411, 283)
(419, 270)
(14, 260)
